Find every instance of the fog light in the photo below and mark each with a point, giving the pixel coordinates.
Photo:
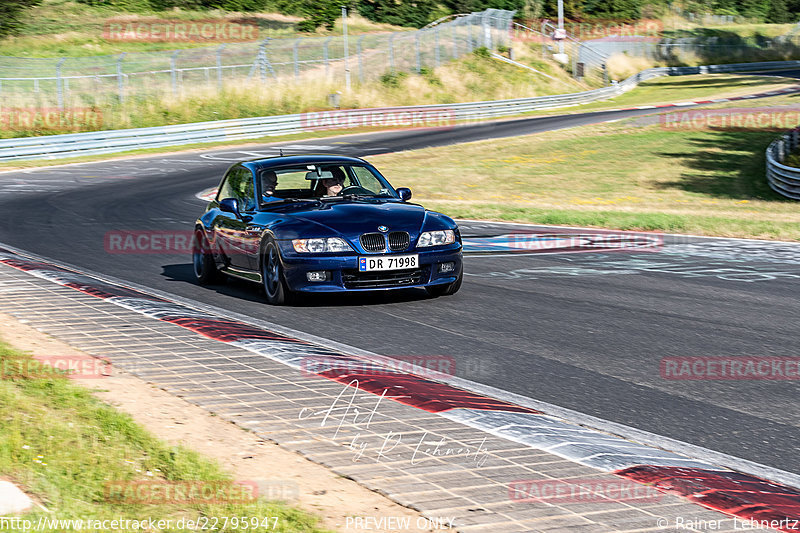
(317, 276)
(446, 267)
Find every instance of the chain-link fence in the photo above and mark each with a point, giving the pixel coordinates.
(92, 80)
(579, 58)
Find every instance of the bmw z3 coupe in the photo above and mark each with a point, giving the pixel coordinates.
(323, 223)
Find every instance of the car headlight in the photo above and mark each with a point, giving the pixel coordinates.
(436, 238)
(316, 246)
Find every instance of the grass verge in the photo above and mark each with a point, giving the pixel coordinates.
(661, 90)
(627, 175)
(63, 446)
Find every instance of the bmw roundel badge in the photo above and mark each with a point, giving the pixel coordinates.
(383, 228)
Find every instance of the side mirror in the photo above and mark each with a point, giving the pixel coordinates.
(230, 205)
(405, 193)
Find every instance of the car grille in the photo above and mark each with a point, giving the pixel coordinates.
(398, 241)
(373, 242)
(353, 279)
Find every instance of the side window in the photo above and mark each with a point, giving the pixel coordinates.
(244, 189)
(239, 184)
(225, 190)
(369, 181)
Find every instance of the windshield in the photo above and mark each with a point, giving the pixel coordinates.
(322, 182)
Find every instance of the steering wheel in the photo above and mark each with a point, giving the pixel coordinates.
(355, 189)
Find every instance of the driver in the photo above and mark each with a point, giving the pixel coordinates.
(335, 183)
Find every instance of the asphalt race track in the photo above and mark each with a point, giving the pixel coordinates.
(585, 331)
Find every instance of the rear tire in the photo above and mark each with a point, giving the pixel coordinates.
(203, 263)
(272, 277)
(446, 290)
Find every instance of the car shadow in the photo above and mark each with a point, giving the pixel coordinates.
(252, 292)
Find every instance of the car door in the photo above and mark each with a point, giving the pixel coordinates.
(232, 230)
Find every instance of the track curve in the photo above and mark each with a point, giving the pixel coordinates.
(583, 331)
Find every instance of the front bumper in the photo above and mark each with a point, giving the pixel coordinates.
(342, 272)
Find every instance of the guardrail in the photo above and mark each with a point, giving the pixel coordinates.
(783, 179)
(105, 142)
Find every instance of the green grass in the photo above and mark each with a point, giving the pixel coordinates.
(623, 175)
(469, 78)
(673, 89)
(62, 446)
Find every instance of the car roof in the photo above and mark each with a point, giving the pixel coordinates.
(304, 159)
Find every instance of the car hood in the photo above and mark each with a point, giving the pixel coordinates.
(352, 218)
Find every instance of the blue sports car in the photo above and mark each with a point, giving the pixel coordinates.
(323, 223)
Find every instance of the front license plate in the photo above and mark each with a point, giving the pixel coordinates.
(387, 262)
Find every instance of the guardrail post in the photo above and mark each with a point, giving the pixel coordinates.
(59, 88)
(173, 61)
(416, 51)
(605, 74)
(219, 66)
(391, 52)
(296, 57)
(360, 58)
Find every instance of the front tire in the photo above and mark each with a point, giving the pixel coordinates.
(203, 263)
(272, 278)
(446, 290)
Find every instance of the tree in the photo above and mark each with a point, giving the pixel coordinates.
(319, 13)
(415, 13)
(11, 15)
(778, 12)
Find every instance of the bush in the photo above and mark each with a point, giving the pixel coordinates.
(482, 51)
(393, 79)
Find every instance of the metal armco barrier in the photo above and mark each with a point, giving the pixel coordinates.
(783, 179)
(106, 142)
